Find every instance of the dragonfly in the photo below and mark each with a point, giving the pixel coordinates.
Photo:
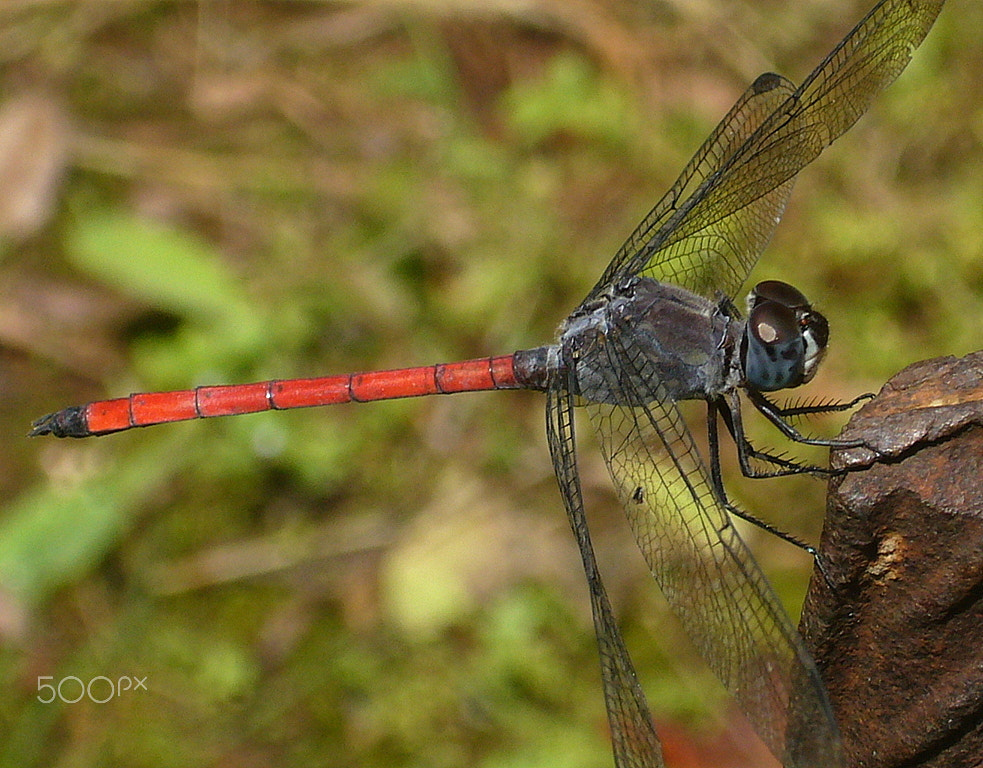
(660, 327)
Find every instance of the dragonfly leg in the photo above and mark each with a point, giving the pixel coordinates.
(731, 414)
(828, 407)
(779, 417)
(791, 468)
(716, 481)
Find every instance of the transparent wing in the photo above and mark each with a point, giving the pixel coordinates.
(708, 231)
(632, 732)
(730, 240)
(705, 570)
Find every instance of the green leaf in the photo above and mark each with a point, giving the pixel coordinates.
(156, 263)
(51, 536)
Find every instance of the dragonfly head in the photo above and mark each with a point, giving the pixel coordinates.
(784, 339)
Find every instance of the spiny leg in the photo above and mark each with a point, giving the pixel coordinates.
(731, 414)
(716, 480)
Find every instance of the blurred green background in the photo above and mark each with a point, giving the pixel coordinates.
(217, 192)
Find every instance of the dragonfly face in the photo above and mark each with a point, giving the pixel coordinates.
(784, 339)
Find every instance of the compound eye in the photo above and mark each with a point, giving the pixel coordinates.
(773, 323)
(773, 349)
(778, 292)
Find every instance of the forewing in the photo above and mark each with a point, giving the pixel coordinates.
(632, 731)
(693, 263)
(708, 575)
(708, 232)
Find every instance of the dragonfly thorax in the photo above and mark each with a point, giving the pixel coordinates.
(644, 340)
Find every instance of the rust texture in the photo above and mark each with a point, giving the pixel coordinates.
(896, 624)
